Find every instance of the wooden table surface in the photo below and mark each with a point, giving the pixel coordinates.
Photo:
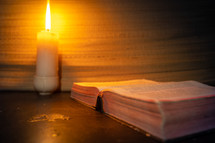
(28, 118)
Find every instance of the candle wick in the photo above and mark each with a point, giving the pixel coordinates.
(48, 30)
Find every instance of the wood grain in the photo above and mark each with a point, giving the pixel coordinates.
(110, 40)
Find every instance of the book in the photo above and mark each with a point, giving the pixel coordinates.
(89, 91)
(166, 110)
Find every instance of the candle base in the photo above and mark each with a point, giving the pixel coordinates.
(46, 85)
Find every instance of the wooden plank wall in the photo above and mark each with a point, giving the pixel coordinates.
(110, 40)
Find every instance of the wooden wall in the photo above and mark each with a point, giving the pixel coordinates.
(110, 40)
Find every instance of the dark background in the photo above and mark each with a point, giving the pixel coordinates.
(110, 40)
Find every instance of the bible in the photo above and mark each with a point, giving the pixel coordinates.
(166, 110)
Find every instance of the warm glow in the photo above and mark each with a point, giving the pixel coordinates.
(48, 16)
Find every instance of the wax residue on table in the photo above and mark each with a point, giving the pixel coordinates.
(48, 117)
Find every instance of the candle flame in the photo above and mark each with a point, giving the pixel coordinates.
(48, 16)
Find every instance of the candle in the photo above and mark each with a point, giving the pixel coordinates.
(46, 79)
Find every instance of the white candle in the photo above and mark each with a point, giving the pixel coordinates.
(46, 79)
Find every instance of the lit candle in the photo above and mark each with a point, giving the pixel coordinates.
(46, 79)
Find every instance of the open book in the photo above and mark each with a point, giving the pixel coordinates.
(89, 91)
(166, 110)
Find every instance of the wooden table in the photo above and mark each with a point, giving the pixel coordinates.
(26, 117)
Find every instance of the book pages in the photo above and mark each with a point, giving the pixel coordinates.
(166, 91)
